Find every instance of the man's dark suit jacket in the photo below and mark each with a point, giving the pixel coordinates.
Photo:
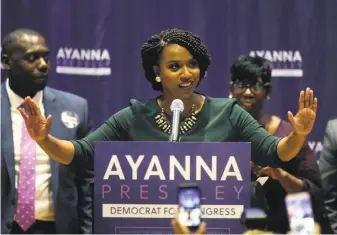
(71, 185)
(328, 168)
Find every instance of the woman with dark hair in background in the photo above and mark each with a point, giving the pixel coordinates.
(251, 85)
(174, 62)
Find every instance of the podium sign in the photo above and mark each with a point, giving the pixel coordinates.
(136, 184)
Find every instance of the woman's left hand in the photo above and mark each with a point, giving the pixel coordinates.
(274, 173)
(304, 120)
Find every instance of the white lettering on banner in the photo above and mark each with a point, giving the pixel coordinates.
(202, 164)
(114, 162)
(236, 172)
(151, 172)
(167, 211)
(315, 146)
(83, 71)
(287, 73)
(185, 173)
(286, 63)
(134, 165)
(83, 54)
(162, 191)
(282, 56)
(154, 168)
(75, 61)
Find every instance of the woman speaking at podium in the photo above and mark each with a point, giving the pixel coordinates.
(175, 62)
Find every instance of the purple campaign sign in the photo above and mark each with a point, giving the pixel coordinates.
(136, 184)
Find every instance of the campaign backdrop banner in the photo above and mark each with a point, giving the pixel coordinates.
(95, 47)
(136, 184)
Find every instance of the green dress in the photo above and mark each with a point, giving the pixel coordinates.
(219, 120)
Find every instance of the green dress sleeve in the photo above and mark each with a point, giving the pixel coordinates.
(114, 129)
(263, 145)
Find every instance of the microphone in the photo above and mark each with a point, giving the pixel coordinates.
(177, 107)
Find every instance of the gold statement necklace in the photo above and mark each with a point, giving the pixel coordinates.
(185, 126)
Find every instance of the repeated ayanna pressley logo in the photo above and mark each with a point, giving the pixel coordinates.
(286, 63)
(82, 61)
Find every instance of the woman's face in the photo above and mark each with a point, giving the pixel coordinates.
(179, 72)
(251, 95)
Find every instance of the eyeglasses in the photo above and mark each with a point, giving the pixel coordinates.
(240, 87)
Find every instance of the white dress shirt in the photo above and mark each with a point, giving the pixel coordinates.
(44, 208)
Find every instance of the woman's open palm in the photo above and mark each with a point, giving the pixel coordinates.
(304, 120)
(38, 127)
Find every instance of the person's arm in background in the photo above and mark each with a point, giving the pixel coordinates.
(290, 183)
(85, 181)
(308, 172)
(328, 168)
(304, 176)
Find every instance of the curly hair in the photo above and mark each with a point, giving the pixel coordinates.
(152, 49)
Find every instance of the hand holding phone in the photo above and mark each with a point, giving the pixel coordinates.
(189, 211)
(178, 228)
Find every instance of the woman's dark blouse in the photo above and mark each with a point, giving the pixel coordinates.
(304, 167)
(219, 120)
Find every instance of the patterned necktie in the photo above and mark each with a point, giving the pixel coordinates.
(25, 209)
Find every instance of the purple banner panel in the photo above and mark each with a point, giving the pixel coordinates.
(136, 184)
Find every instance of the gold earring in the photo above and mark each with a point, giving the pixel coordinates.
(158, 79)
